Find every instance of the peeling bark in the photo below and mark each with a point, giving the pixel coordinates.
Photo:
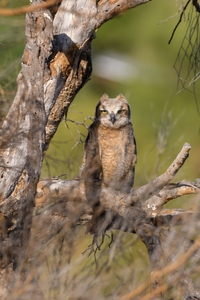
(23, 131)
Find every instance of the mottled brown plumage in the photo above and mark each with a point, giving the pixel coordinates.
(110, 148)
(109, 158)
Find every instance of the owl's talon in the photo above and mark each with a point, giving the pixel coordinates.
(92, 249)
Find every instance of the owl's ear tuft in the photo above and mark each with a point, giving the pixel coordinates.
(104, 97)
(122, 98)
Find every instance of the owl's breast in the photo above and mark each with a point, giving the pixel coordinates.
(116, 150)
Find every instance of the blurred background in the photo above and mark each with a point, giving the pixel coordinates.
(131, 55)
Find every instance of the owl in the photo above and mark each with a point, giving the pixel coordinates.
(110, 148)
(109, 159)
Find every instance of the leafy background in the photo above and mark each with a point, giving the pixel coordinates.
(131, 55)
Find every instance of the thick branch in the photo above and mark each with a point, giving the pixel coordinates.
(66, 191)
(148, 190)
(170, 192)
(54, 192)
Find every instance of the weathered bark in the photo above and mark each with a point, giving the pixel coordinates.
(23, 131)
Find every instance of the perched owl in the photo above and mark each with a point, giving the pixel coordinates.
(110, 148)
(109, 159)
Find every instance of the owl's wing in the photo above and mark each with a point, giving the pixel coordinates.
(91, 165)
(135, 149)
(89, 143)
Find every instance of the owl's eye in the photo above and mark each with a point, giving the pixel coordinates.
(104, 112)
(121, 111)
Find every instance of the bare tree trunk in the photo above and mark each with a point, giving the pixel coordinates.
(23, 131)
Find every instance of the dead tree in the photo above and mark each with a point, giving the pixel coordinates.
(56, 63)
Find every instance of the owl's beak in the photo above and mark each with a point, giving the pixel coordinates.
(112, 118)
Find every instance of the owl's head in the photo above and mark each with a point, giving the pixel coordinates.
(113, 112)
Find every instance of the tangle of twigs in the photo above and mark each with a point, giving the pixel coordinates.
(188, 57)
